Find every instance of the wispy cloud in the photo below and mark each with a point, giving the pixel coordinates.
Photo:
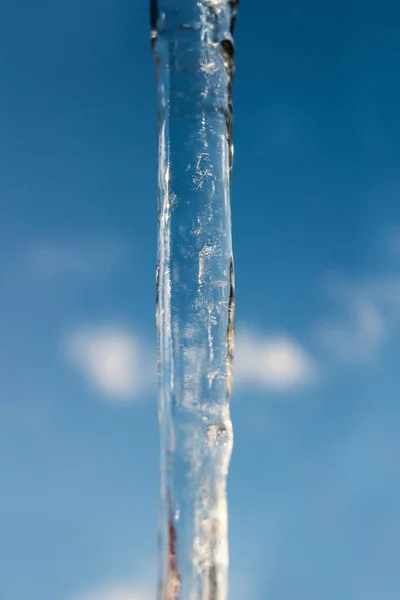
(112, 359)
(357, 334)
(367, 316)
(117, 592)
(393, 241)
(272, 362)
(88, 256)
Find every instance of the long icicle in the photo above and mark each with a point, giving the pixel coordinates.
(193, 47)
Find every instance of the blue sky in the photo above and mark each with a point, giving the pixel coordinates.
(314, 487)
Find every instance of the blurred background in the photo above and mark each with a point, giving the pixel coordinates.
(314, 487)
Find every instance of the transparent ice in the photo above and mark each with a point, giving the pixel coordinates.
(193, 48)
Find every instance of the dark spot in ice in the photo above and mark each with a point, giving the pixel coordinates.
(228, 54)
(234, 5)
(153, 14)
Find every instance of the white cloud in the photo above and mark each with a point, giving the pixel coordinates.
(146, 591)
(118, 592)
(120, 366)
(274, 362)
(112, 359)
